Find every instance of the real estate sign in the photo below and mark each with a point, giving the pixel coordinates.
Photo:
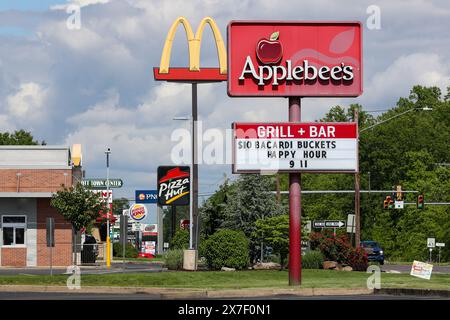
(295, 147)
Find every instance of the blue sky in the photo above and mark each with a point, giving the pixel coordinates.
(28, 5)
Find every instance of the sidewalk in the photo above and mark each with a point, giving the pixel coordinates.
(183, 293)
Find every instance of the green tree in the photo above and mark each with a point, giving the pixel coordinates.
(118, 205)
(20, 137)
(274, 231)
(251, 199)
(212, 212)
(78, 205)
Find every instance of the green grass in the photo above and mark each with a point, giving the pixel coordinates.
(237, 280)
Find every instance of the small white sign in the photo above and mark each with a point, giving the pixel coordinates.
(440, 244)
(421, 270)
(399, 204)
(431, 242)
(351, 223)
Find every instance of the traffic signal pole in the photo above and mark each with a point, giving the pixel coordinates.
(295, 256)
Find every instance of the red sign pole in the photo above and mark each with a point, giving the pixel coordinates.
(295, 256)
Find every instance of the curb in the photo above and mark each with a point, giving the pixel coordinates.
(413, 292)
(183, 293)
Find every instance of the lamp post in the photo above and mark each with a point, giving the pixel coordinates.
(191, 203)
(108, 239)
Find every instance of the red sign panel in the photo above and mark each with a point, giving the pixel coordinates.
(280, 59)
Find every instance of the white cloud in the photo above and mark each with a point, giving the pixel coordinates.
(81, 3)
(27, 102)
(427, 69)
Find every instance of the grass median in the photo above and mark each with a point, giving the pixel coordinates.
(235, 280)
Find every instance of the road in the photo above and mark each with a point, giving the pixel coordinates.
(130, 267)
(92, 296)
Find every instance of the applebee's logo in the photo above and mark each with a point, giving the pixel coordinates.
(270, 51)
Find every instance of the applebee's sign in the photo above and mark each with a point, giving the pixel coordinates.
(294, 58)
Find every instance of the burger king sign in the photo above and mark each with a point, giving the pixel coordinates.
(138, 212)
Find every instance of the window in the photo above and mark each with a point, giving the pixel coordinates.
(13, 230)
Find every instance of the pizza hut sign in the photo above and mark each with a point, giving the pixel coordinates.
(173, 185)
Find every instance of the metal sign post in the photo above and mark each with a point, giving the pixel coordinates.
(50, 237)
(295, 208)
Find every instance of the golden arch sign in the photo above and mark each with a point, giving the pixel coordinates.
(194, 72)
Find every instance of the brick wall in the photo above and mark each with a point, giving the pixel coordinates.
(62, 252)
(34, 180)
(14, 257)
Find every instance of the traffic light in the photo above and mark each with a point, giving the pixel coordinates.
(399, 194)
(388, 203)
(420, 202)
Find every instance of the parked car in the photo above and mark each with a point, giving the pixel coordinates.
(90, 250)
(373, 250)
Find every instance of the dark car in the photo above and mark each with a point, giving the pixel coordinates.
(373, 250)
(89, 252)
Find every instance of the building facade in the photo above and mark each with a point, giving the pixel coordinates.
(29, 175)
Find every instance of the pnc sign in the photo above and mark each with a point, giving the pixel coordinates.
(282, 58)
(193, 73)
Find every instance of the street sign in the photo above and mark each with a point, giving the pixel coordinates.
(399, 204)
(440, 244)
(146, 196)
(50, 232)
(173, 185)
(351, 223)
(431, 242)
(97, 183)
(329, 224)
(294, 58)
(295, 147)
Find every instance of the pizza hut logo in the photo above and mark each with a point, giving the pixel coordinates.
(173, 185)
(269, 52)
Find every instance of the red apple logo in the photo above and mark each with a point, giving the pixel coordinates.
(269, 51)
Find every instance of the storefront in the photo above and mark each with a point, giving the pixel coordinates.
(29, 175)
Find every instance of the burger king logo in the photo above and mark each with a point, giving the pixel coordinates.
(138, 212)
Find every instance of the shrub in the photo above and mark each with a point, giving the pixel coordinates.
(339, 249)
(130, 250)
(227, 248)
(312, 260)
(180, 240)
(173, 259)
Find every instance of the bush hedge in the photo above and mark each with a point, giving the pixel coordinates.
(180, 240)
(130, 250)
(227, 248)
(312, 260)
(173, 259)
(339, 249)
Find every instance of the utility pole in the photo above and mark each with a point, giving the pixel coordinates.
(357, 193)
(108, 238)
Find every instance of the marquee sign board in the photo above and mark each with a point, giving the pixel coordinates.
(173, 185)
(295, 147)
(294, 58)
